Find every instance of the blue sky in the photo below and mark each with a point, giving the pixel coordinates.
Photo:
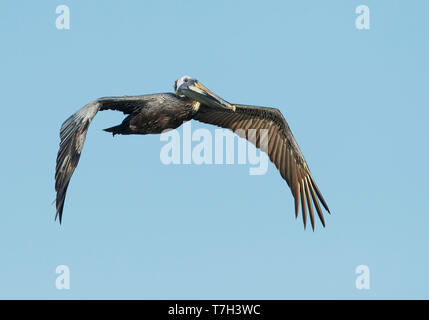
(133, 228)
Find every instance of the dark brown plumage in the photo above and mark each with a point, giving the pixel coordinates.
(282, 149)
(146, 114)
(156, 112)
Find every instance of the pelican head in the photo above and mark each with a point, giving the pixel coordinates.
(190, 87)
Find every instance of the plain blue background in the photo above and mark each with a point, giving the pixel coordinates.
(357, 102)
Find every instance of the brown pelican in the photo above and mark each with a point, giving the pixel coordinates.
(153, 113)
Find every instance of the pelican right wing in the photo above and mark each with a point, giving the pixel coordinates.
(279, 144)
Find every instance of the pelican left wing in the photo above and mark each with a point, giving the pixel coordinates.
(73, 133)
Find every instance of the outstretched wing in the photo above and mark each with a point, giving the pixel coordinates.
(280, 145)
(73, 133)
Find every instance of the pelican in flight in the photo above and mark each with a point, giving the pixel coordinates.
(154, 113)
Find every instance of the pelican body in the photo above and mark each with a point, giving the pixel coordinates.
(150, 114)
(154, 113)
